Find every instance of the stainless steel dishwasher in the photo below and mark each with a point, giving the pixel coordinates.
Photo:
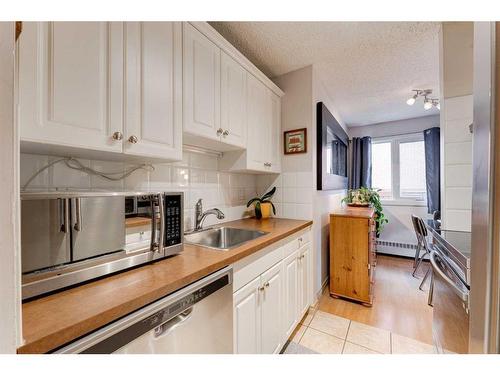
(195, 319)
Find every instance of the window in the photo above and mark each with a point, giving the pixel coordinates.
(398, 168)
(381, 169)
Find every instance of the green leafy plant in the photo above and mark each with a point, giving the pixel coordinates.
(371, 197)
(266, 198)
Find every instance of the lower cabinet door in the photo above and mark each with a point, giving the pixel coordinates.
(290, 303)
(304, 279)
(271, 309)
(247, 319)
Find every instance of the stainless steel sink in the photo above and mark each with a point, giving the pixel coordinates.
(223, 238)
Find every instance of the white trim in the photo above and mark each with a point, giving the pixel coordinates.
(228, 48)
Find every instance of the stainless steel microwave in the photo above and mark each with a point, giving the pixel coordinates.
(69, 237)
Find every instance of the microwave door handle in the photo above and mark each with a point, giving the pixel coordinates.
(161, 240)
(435, 268)
(78, 215)
(153, 225)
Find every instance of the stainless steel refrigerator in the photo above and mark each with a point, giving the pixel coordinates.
(485, 257)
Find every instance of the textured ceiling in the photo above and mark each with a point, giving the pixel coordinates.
(369, 68)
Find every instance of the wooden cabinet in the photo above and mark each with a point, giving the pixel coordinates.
(153, 125)
(70, 84)
(352, 254)
(105, 86)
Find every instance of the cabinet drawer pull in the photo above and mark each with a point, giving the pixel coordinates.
(261, 288)
(266, 285)
(133, 139)
(219, 132)
(225, 133)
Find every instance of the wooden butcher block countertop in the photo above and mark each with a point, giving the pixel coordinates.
(52, 321)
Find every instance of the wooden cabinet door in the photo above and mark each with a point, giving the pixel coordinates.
(153, 125)
(272, 309)
(349, 270)
(258, 109)
(290, 302)
(201, 84)
(304, 276)
(247, 319)
(233, 102)
(71, 84)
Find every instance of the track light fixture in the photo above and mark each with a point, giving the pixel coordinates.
(428, 102)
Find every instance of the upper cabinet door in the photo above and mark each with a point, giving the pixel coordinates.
(201, 84)
(257, 126)
(71, 83)
(233, 102)
(153, 122)
(275, 145)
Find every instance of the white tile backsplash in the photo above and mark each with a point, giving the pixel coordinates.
(196, 175)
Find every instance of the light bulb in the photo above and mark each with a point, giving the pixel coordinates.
(427, 105)
(411, 101)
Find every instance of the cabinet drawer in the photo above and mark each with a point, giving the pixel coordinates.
(296, 242)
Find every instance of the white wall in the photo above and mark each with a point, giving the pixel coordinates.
(400, 228)
(412, 125)
(196, 175)
(457, 162)
(299, 198)
(9, 213)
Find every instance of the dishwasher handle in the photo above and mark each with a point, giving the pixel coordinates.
(172, 324)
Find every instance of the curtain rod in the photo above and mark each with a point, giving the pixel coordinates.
(398, 135)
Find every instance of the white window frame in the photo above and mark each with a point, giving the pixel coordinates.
(395, 175)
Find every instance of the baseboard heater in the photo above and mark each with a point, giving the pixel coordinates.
(400, 245)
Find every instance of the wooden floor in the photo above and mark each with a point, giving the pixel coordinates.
(398, 306)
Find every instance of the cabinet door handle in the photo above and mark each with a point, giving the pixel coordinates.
(267, 164)
(219, 132)
(117, 136)
(266, 284)
(225, 133)
(133, 139)
(261, 288)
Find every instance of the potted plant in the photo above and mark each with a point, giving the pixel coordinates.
(367, 197)
(263, 205)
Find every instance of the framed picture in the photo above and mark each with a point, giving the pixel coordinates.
(295, 141)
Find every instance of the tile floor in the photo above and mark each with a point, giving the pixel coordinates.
(324, 333)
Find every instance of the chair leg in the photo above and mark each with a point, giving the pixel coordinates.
(418, 264)
(417, 254)
(425, 278)
(431, 289)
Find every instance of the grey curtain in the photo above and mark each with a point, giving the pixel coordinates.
(432, 169)
(361, 163)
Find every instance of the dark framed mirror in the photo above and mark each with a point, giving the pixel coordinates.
(332, 143)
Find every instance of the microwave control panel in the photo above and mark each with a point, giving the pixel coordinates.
(173, 219)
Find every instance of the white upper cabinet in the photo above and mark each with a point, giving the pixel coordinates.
(201, 84)
(153, 122)
(263, 121)
(70, 83)
(233, 102)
